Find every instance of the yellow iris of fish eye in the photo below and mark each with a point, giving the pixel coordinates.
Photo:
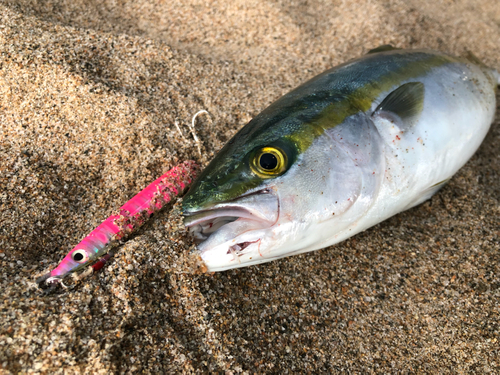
(258, 162)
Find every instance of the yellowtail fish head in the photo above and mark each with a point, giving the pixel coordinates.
(273, 201)
(263, 194)
(302, 173)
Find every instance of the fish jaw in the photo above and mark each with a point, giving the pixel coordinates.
(241, 251)
(230, 234)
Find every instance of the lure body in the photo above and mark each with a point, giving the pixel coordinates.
(344, 151)
(131, 216)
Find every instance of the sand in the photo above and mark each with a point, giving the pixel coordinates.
(90, 92)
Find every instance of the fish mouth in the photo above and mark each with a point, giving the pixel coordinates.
(230, 227)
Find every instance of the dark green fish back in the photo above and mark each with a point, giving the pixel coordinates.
(358, 82)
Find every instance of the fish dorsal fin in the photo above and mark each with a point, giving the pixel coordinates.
(384, 48)
(406, 102)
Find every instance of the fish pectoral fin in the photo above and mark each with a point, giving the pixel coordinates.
(406, 103)
(383, 48)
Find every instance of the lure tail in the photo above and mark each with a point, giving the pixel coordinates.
(131, 216)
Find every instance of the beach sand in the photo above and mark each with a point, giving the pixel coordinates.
(90, 92)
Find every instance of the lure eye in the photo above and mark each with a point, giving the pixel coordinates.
(269, 162)
(80, 256)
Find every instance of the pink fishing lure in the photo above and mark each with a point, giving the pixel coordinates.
(131, 216)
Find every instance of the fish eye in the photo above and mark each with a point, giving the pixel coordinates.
(80, 256)
(269, 162)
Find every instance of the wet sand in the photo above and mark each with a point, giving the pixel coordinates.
(89, 96)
